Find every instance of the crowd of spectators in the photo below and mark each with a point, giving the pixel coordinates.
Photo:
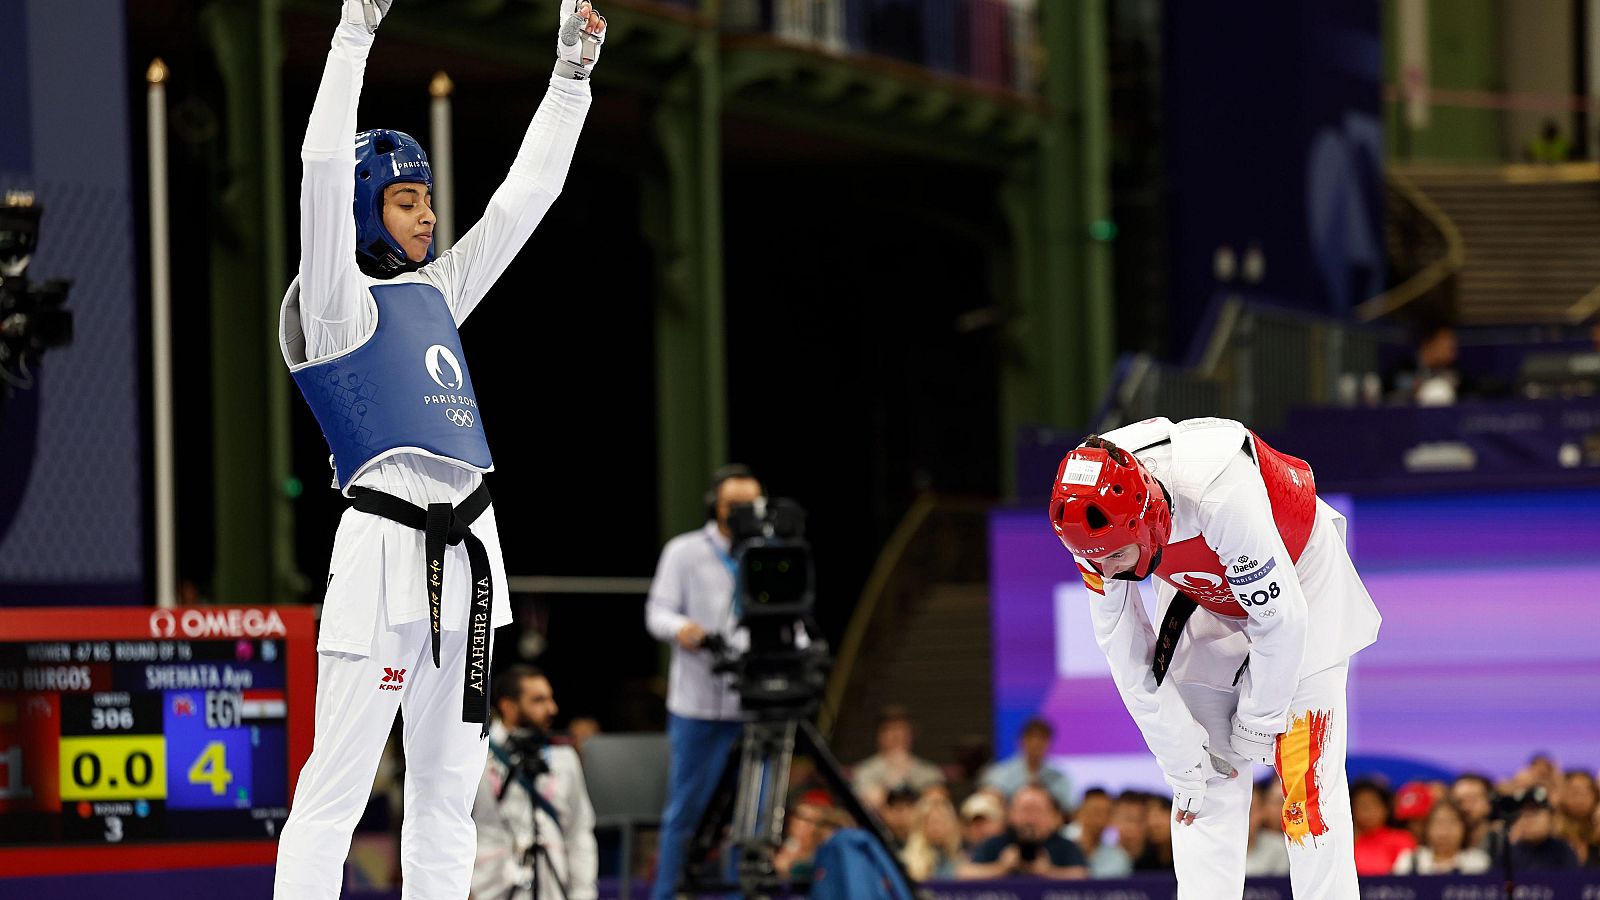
(1020, 817)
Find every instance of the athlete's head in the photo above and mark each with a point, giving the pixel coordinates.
(393, 203)
(1107, 508)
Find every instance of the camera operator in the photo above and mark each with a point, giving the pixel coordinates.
(528, 777)
(691, 600)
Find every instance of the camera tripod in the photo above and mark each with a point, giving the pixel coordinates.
(526, 767)
(750, 803)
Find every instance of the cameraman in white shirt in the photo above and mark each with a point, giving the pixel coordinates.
(529, 779)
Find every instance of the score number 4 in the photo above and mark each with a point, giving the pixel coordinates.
(132, 767)
(211, 767)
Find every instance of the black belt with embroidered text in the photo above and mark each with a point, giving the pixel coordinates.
(445, 525)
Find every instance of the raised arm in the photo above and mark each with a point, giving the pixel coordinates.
(467, 271)
(332, 309)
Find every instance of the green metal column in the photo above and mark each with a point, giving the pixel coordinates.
(250, 421)
(684, 219)
(1059, 342)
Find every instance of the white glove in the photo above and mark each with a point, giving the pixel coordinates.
(583, 30)
(367, 13)
(1189, 786)
(1257, 746)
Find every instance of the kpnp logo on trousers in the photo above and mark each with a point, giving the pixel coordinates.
(393, 679)
(214, 623)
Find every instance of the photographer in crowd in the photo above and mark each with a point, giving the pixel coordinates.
(691, 600)
(1032, 845)
(532, 804)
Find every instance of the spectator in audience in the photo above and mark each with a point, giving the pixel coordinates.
(1157, 855)
(934, 849)
(1534, 843)
(972, 756)
(1268, 854)
(1377, 845)
(983, 816)
(1434, 379)
(899, 812)
(1029, 766)
(812, 821)
(580, 729)
(1473, 794)
(1090, 827)
(894, 765)
(1551, 146)
(1579, 804)
(1411, 805)
(1031, 845)
(1443, 849)
(1129, 817)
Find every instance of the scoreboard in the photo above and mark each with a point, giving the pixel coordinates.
(159, 737)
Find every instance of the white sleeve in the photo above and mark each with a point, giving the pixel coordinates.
(667, 608)
(1236, 519)
(1126, 637)
(583, 856)
(496, 868)
(333, 306)
(467, 270)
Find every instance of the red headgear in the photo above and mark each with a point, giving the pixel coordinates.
(1104, 499)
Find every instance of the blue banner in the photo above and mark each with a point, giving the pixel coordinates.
(1274, 154)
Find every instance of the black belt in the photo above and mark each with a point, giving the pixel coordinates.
(446, 525)
(1178, 613)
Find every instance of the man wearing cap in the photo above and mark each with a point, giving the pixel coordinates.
(982, 817)
(1259, 612)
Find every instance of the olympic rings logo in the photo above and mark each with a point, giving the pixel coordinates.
(459, 417)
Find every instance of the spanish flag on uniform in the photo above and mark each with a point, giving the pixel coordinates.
(1092, 579)
(1299, 751)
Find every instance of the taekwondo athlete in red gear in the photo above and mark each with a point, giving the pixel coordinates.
(416, 584)
(1259, 610)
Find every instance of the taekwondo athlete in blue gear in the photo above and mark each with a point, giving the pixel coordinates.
(416, 584)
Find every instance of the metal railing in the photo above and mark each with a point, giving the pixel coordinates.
(1259, 362)
(1425, 254)
(939, 540)
(994, 42)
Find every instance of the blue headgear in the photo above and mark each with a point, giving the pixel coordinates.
(385, 157)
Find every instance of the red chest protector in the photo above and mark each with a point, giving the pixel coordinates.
(1192, 566)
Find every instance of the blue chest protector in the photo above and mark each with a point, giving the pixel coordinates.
(405, 389)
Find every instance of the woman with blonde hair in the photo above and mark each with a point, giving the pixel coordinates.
(934, 849)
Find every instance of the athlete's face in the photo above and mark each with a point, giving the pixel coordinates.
(408, 215)
(1116, 562)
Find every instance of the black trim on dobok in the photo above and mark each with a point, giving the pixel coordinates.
(444, 525)
(1178, 613)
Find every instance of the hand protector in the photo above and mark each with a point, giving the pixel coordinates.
(578, 48)
(1257, 746)
(367, 13)
(1189, 786)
